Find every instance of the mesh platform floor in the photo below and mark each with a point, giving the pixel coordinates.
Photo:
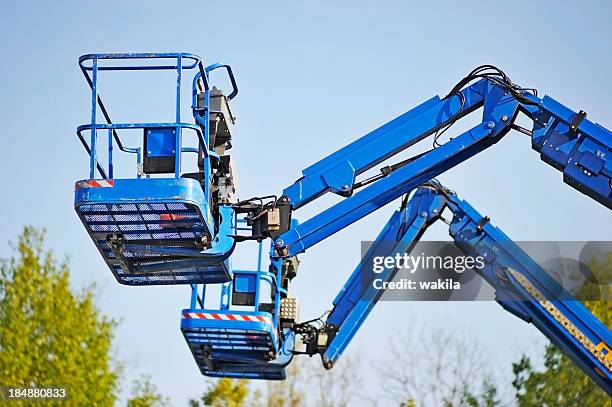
(248, 343)
(244, 371)
(210, 346)
(172, 224)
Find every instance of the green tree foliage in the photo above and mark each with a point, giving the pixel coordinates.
(561, 383)
(224, 393)
(409, 403)
(50, 336)
(487, 397)
(145, 394)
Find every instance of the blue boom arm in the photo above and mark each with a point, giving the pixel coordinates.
(529, 292)
(577, 147)
(400, 234)
(522, 286)
(175, 221)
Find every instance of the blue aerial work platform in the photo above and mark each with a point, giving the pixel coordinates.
(153, 230)
(167, 225)
(521, 286)
(240, 338)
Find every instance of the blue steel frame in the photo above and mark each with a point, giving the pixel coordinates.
(152, 192)
(91, 65)
(96, 101)
(226, 289)
(227, 362)
(565, 140)
(586, 150)
(503, 254)
(399, 235)
(201, 115)
(475, 238)
(577, 147)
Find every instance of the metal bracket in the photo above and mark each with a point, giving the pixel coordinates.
(580, 116)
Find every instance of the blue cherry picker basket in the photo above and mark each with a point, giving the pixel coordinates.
(150, 231)
(231, 336)
(156, 227)
(240, 339)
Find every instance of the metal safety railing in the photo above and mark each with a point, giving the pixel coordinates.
(92, 64)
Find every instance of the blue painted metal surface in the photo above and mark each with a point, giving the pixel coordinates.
(230, 341)
(230, 335)
(568, 141)
(160, 234)
(163, 231)
(154, 231)
(476, 238)
(504, 255)
(400, 234)
(272, 370)
(161, 142)
(584, 156)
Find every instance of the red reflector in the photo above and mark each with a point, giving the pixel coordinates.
(170, 216)
(101, 183)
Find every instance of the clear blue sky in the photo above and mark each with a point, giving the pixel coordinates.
(313, 76)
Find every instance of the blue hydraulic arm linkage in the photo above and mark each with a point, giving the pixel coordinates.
(175, 221)
(521, 286)
(567, 140)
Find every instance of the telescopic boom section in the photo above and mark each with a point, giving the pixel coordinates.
(529, 292)
(521, 286)
(565, 139)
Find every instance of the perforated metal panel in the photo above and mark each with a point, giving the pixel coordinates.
(237, 353)
(244, 371)
(163, 225)
(254, 343)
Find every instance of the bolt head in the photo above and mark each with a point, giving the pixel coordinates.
(490, 125)
(279, 243)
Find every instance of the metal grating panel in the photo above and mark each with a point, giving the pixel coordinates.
(252, 342)
(243, 371)
(162, 224)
